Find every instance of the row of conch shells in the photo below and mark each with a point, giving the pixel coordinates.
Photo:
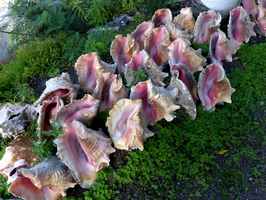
(158, 49)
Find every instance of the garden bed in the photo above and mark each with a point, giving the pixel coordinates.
(220, 155)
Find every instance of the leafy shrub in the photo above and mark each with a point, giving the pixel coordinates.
(72, 46)
(36, 58)
(99, 40)
(43, 18)
(47, 17)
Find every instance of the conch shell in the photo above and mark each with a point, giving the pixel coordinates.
(84, 151)
(23, 188)
(207, 23)
(83, 110)
(261, 18)
(180, 52)
(60, 86)
(156, 102)
(14, 118)
(251, 7)
(50, 172)
(48, 112)
(18, 154)
(142, 63)
(90, 71)
(185, 75)
(121, 50)
(183, 96)
(141, 33)
(156, 45)
(240, 27)
(113, 90)
(221, 48)
(162, 17)
(185, 20)
(214, 87)
(125, 125)
(155, 73)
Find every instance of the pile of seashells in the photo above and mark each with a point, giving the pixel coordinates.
(159, 48)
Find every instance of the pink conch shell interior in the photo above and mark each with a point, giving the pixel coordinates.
(125, 125)
(214, 87)
(142, 32)
(221, 48)
(82, 110)
(89, 69)
(48, 112)
(240, 27)
(121, 50)
(261, 18)
(180, 52)
(84, 151)
(157, 44)
(22, 187)
(250, 6)
(186, 76)
(156, 105)
(113, 90)
(162, 17)
(61, 87)
(207, 23)
(138, 60)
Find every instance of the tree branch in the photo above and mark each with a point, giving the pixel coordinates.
(12, 32)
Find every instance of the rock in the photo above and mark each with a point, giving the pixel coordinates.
(14, 118)
(120, 21)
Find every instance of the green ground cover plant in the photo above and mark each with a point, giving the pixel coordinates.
(36, 58)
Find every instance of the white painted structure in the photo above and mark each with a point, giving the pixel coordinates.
(223, 6)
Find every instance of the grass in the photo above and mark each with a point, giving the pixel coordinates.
(213, 155)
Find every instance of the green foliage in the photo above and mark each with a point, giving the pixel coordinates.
(98, 12)
(72, 47)
(99, 40)
(43, 18)
(204, 48)
(139, 76)
(36, 58)
(3, 188)
(43, 145)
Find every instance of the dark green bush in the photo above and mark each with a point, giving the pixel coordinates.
(43, 18)
(99, 40)
(48, 17)
(35, 59)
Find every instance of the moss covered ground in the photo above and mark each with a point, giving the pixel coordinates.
(220, 155)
